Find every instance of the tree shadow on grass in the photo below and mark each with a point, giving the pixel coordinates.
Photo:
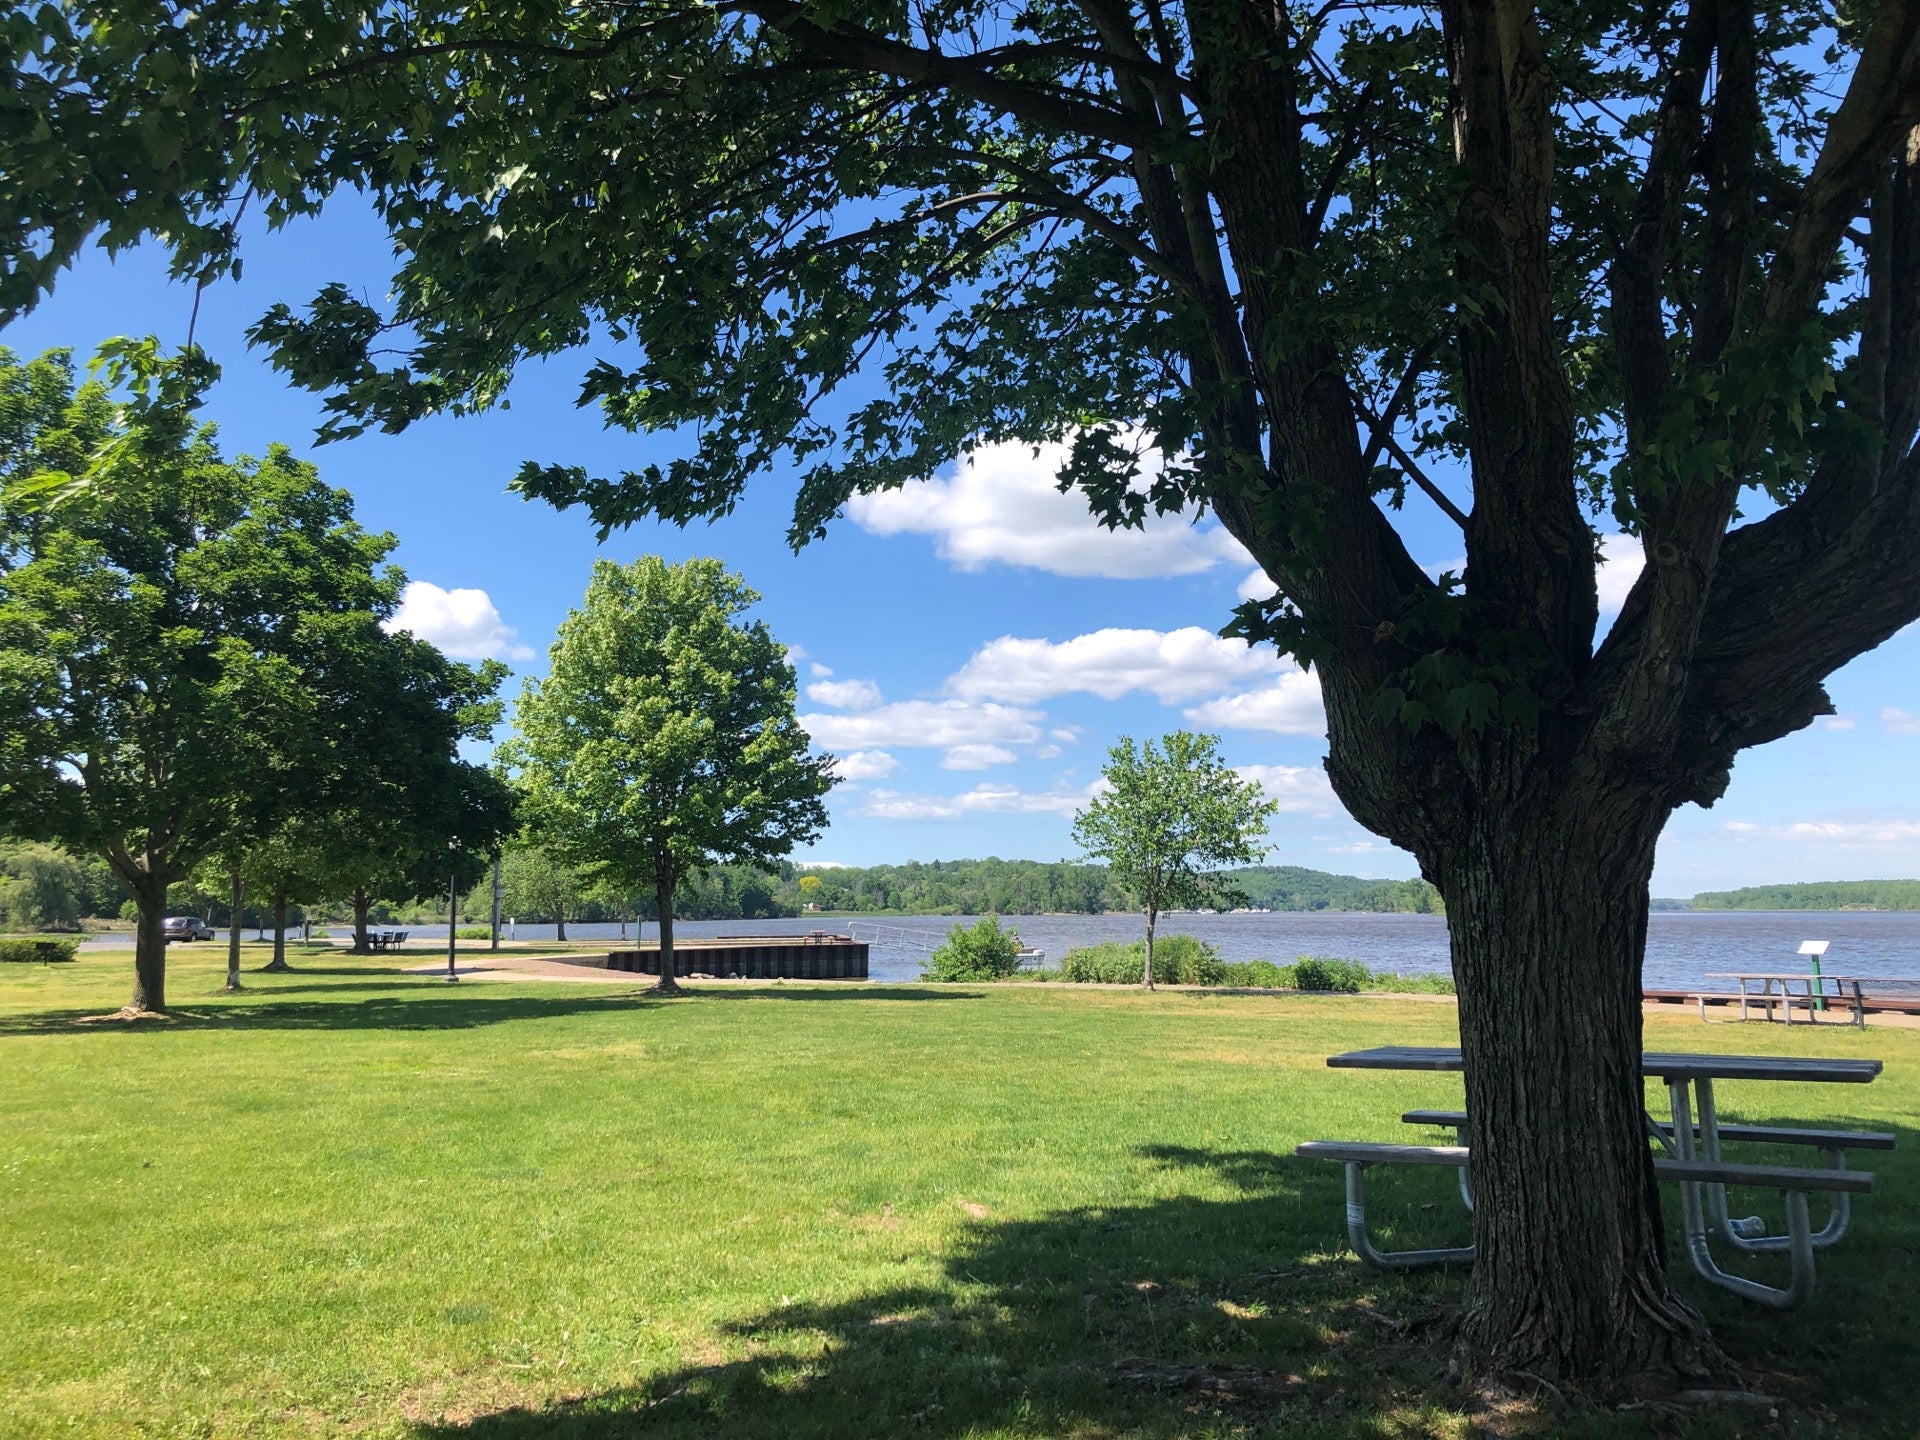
(405, 1001)
(1183, 1316)
(856, 990)
(445, 1010)
(1193, 1316)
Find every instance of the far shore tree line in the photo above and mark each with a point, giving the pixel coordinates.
(45, 888)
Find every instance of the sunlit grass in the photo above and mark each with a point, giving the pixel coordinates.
(351, 1200)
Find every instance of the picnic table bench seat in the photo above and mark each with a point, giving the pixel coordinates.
(1792, 1183)
(1762, 1134)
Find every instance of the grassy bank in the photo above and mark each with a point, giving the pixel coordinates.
(352, 1201)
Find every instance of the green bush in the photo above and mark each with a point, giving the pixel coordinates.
(1349, 977)
(474, 932)
(1263, 974)
(37, 952)
(1177, 960)
(41, 888)
(984, 952)
(1346, 977)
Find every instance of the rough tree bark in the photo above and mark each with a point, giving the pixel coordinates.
(1547, 912)
(279, 961)
(665, 900)
(145, 877)
(362, 903)
(1146, 972)
(237, 892)
(150, 946)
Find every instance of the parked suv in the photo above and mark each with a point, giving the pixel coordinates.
(187, 927)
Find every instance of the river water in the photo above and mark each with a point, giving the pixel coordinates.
(1683, 947)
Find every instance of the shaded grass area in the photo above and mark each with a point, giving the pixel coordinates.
(356, 1201)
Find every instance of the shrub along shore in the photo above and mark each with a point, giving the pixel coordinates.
(985, 952)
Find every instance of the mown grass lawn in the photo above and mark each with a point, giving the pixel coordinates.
(353, 1201)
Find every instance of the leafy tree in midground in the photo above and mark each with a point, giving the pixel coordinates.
(1171, 819)
(1586, 260)
(191, 657)
(663, 740)
(408, 815)
(536, 884)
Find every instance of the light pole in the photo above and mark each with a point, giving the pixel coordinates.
(496, 900)
(453, 902)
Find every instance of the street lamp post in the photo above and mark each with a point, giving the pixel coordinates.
(453, 903)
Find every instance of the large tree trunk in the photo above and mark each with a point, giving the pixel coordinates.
(667, 982)
(238, 893)
(149, 946)
(362, 903)
(279, 961)
(559, 926)
(1547, 911)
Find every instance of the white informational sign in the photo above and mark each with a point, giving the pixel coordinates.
(1813, 947)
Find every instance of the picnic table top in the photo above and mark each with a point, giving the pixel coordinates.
(1660, 1064)
(1807, 975)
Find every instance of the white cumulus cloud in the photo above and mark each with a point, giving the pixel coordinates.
(1256, 584)
(983, 798)
(1000, 505)
(865, 765)
(1844, 832)
(1900, 722)
(1299, 789)
(845, 694)
(1289, 706)
(1170, 665)
(462, 624)
(939, 724)
(977, 757)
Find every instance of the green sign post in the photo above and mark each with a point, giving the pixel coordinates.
(1813, 950)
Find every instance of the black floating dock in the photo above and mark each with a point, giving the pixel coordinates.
(817, 956)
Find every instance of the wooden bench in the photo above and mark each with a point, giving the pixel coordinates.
(1793, 1185)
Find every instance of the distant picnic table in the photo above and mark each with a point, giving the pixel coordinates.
(386, 939)
(1768, 989)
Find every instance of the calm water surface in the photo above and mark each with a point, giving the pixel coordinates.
(1682, 946)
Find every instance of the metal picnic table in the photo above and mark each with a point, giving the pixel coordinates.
(1813, 993)
(1689, 1079)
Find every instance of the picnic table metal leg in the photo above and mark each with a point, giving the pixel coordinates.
(1465, 1173)
(1738, 1231)
(1799, 1246)
(1363, 1245)
(1799, 1240)
(1749, 1233)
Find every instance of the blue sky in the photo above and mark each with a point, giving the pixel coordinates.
(972, 645)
